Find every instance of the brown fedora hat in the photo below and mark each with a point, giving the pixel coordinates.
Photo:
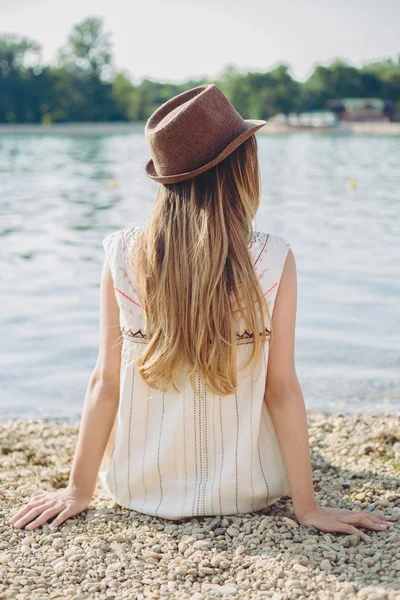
(193, 132)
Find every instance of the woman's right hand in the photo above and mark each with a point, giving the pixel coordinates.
(342, 520)
(61, 504)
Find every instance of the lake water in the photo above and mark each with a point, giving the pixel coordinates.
(60, 195)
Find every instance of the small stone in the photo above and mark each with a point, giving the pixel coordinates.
(381, 502)
(360, 496)
(5, 558)
(289, 522)
(60, 567)
(325, 565)
(202, 544)
(182, 547)
(27, 541)
(71, 552)
(80, 539)
(117, 566)
(300, 568)
(215, 560)
(227, 588)
(215, 522)
(232, 531)
(350, 540)
(396, 565)
(206, 570)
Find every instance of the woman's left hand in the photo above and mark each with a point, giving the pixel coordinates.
(62, 504)
(343, 520)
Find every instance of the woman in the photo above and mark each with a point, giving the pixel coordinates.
(201, 412)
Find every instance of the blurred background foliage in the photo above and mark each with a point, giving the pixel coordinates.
(85, 85)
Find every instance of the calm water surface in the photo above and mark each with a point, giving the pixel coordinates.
(58, 201)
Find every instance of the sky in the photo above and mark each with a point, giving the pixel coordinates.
(170, 40)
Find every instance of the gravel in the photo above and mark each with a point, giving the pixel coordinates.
(109, 552)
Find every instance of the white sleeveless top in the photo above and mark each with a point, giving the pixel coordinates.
(177, 455)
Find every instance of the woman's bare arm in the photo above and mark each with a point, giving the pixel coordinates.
(102, 397)
(283, 394)
(285, 403)
(99, 411)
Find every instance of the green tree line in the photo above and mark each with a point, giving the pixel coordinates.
(84, 84)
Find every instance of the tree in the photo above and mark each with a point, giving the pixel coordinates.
(84, 73)
(25, 86)
(87, 52)
(84, 86)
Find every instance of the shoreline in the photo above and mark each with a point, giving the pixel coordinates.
(111, 128)
(112, 552)
(74, 420)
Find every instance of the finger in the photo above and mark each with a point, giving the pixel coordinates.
(366, 521)
(25, 509)
(385, 517)
(351, 530)
(378, 518)
(376, 525)
(38, 496)
(63, 516)
(32, 514)
(45, 516)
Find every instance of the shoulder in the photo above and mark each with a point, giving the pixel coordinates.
(119, 241)
(268, 247)
(116, 245)
(269, 253)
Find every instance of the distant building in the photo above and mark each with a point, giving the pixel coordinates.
(363, 109)
(315, 118)
(311, 119)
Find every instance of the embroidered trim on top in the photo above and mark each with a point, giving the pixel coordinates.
(137, 334)
(140, 335)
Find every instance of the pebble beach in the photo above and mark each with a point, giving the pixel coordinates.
(109, 552)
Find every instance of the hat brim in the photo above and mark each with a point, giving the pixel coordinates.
(252, 126)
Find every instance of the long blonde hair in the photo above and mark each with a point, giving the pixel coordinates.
(193, 269)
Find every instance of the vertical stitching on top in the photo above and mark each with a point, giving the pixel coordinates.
(222, 454)
(206, 444)
(129, 426)
(200, 451)
(145, 447)
(184, 440)
(195, 444)
(251, 443)
(113, 465)
(158, 454)
(214, 456)
(236, 451)
(258, 444)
